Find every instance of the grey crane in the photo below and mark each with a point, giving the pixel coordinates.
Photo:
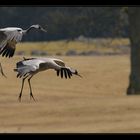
(10, 36)
(27, 68)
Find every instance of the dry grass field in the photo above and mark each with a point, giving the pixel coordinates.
(96, 103)
(61, 47)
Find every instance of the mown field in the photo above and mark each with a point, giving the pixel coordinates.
(61, 47)
(96, 103)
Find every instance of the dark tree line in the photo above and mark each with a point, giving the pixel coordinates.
(67, 22)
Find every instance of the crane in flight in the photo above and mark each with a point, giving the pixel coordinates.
(27, 68)
(10, 36)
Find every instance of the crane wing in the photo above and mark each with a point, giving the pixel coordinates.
(2, 36)
(8, 41)
(64, 72)
(25, 67)
(23, 70)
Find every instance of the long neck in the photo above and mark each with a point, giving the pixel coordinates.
(26, 31)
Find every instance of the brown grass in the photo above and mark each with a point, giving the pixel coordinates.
(96, 103)
(61, 47)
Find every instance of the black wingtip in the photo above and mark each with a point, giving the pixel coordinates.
(61, 73)
(64, 73)
(7, 51)
(57, 72)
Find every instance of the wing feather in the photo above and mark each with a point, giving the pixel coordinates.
(24, 67)
(64, 72)
(8, 41)
(2, 36)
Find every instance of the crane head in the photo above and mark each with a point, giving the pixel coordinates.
(37, 26)
(76, 73)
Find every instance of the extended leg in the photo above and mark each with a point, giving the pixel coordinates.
(19, 98)
(31, 94)
(2, 71)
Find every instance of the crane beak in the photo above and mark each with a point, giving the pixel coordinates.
(42, 29)
(79, 75)
(76, 73)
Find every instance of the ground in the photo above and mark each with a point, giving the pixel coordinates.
(96, 103)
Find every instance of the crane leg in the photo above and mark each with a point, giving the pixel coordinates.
(31, 93)
(19, 98)
(2, 71)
